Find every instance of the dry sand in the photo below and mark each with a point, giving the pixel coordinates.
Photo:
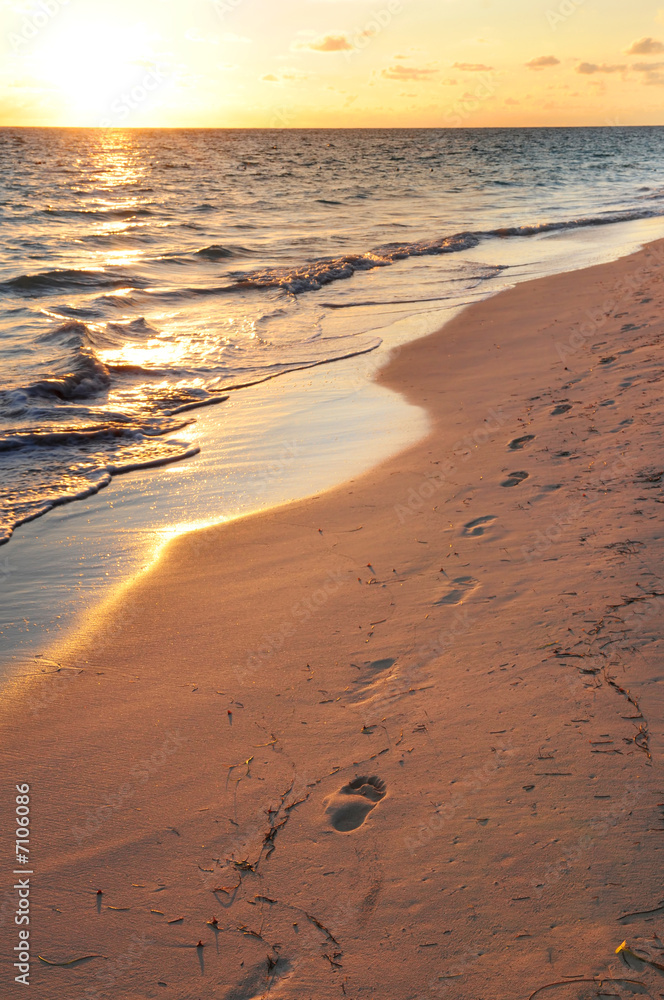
(401, 740)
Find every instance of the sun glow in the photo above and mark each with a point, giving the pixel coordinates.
(309, 63)
(101, 71)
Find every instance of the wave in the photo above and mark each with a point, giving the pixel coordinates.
(100, 434)
(218, 252)
(99, 478)
(104, 213)
(311, 277)
(610, 218)
(117, 334)
(46, 282)
(315, 275)
(96, 448)
(79, 377)
(75, 336)
(213, 253)
(81, 374)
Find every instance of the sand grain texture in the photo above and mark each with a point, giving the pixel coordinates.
(403, 739)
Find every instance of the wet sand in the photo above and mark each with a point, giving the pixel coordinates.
(401, 739)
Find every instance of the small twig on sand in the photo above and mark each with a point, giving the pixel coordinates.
(573, 982)
(624, 950)
(72, 961)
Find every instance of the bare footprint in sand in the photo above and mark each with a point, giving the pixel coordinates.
(348, 808)
(518, 443)
(562, 408)
(477, 527)
(515, 479)
(464, 586)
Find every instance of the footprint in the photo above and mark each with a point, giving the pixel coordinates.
(348, 808)
(377, 666)
(464, 586)
(607, 361)
(515, 478)
(518, 443)
(477, 527)
(562, 408)
(371, 679)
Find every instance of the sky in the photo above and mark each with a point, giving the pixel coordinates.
(331, 63)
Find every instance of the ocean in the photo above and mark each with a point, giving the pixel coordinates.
(147, 275)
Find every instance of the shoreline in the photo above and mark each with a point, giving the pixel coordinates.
(100, 544)
(422, 623)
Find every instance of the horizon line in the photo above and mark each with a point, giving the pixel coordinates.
(319, 128)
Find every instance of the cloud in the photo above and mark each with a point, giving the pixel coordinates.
(587, 69)
(472, 67)
(543, 61)
(287, 75)
(402, 73)
(645, 47)
(330, 43)
(228, 36)
(653, 75)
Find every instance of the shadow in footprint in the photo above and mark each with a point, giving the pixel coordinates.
(515, 479)
(378, 666)
(372, 678)
(464, 585)
(477, 527)
(518, 443)
(563, 408)
(348, 808)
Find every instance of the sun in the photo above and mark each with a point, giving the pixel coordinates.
(101, 72)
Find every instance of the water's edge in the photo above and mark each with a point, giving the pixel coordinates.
(60, 567)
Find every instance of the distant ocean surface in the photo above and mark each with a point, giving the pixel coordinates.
(145, 274)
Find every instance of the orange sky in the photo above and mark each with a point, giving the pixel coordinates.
(287, 63)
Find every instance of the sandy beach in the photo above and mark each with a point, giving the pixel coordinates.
(351, 747)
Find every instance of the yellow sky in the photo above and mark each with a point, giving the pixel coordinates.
(288, 63)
